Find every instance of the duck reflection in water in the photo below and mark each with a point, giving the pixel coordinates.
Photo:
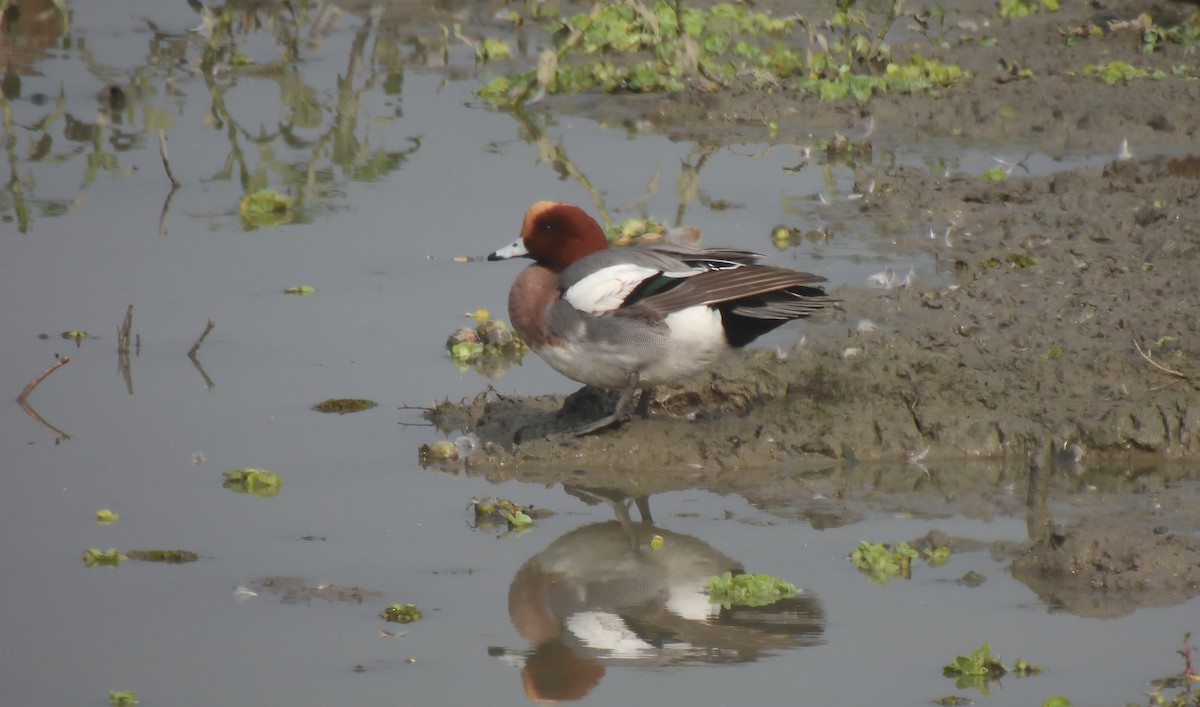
(602, 595)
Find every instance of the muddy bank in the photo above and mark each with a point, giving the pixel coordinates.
(1051, 352)
(1028, 85)
(1024, 341)
(1025, 344)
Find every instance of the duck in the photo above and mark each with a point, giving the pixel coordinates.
(635, 317)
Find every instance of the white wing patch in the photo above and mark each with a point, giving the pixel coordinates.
(604, 290)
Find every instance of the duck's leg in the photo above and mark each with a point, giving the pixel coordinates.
(643, 406)
(620, 414)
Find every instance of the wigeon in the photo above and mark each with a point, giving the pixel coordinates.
(640, 316)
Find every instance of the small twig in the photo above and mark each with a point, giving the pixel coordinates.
(192, 355)
(1152, 362)
(192, 351)
(34, 383)
(123, 337)
(59, 435)
(124, 331)
(166, 160)
(166, 211)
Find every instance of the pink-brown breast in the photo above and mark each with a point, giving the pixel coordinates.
(534, 290)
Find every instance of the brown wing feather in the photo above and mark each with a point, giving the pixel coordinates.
(769, 293)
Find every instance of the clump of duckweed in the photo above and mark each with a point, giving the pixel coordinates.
(489, 347)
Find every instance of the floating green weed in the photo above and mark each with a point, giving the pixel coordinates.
(439, 451)
(489, 347)
(256, 482)
(881, 562)
(492, 49)
(299, 290)
(122, 698)
(95, 557)
(492, 511)
(343, 406)
(785, 237)
(266, 207)
(976, 669)
(953, 701)
(401, 613)
(935, 556)
(748, 589)
(994, 174)
(105, 516)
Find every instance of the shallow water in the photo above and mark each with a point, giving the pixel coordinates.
(394, 179)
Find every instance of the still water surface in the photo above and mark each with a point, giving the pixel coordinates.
(396, 173)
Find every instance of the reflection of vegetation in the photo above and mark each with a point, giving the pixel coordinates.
(687, 185)
(318, 142)
(339, 142)
(171, 557)
(662, 46)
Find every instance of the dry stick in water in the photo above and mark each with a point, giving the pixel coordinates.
(123, 336)
(166, 160)
(192, 351)
(124, 331)
(34, 383)
(196, 362)
(59, 435)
